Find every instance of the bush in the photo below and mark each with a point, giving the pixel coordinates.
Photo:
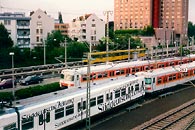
(37, 90)
(6, 96)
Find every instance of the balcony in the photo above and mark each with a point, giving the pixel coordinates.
(22, 36)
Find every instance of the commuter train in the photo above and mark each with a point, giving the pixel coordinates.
(60, 111)
(100, 72)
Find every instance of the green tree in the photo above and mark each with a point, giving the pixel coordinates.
(5, 39)
(54, 39)
(60, 17)
(148, 31)
(76, 50)
(191, 29)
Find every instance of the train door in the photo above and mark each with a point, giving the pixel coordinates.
(43, 121)
(81, 107)
(109, 96)
(77, 80)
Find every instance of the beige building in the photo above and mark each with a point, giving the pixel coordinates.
(132, 14)
(41, 25)
(62, 27)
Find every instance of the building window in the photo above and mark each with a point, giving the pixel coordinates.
(39, 23)
(37, 31)
(93, 25)
(7, 22)
(41, 31)
(37, 38)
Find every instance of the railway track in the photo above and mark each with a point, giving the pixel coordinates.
(172, 119)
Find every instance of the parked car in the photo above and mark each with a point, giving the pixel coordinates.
(6, 83)
(31, 80)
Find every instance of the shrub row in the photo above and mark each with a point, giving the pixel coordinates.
(30, 92)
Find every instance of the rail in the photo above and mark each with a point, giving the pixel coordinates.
(170, 118)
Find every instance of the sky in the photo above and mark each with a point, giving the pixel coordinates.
(70, 9)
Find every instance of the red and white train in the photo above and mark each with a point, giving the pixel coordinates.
(99, 72)
(60, 111)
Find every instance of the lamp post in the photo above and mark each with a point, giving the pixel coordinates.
(44, 51)
(13, 86)
(65, 53)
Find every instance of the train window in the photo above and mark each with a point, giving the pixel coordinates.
(59, 113)
(107, 97)
(146, 67)
(41, 119)
(174, 76)
(28, 123)
(136, 87)
(111, 96)
(48, 117)
(84, 77)
(159, 80)
(62, 76)
(170, 77)
(137, 70)
(10, 127)
(100, 75)
(117, 72)
(117, 93)
(112, 73)
(153, 80)
(129, 90)
(148, 80)
(79, 106)
(133, 70)
(122, 71)
(105, 74)
(92, 102)
(69, 109)
(100, 99)
(123, 91)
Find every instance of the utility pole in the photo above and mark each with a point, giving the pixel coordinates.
(129, 50)
(107, 13)
(88, 113)
(65, 54)
(44, 49)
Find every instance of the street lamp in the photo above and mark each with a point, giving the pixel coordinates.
(44, 51)
(13, 86)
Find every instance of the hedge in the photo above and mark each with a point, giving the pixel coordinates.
(30, 92)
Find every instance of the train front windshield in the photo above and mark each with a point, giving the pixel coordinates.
(67, 77)
(148, 80)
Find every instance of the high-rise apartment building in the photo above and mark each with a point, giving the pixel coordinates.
(18, 26)
(132, 14)
(164, 15)
(171, 15)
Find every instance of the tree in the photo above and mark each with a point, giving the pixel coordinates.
(5, 39)
(148, 31)
(76, 50)
(191, 29)
(54, 39)
(60, 17)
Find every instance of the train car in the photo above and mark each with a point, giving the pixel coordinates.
(163, 78)
(69, 108)
(103, 71)
(117, 55)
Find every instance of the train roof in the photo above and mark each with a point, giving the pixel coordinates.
(119, 65)
(168, 70)
(54, 97)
